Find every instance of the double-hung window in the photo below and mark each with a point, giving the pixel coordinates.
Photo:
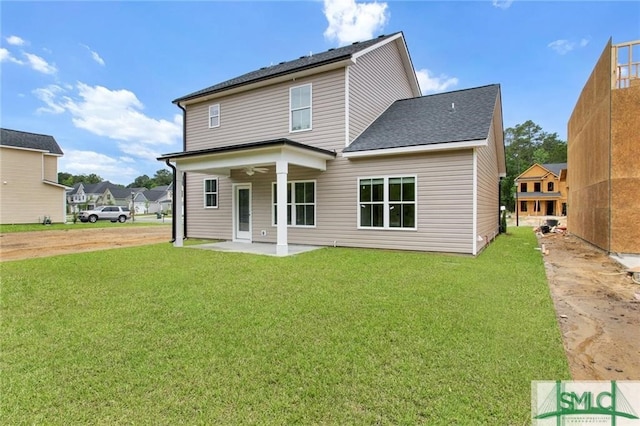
(300, 108)
(211, 193)
(301, 203)
(387, 202)
(214, 116)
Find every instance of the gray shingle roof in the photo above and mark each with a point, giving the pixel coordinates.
(28, 140)
(283, 68)
(555, 168)
(431, 120)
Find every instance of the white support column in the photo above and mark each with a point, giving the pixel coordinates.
(282, 169)
(177, 215)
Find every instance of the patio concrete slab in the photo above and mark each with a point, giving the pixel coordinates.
(265, 249)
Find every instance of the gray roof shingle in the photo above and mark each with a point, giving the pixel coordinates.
(28, 140)
(555, 168)
(431, 120)
(283, 68)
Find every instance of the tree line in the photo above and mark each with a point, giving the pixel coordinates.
(160, 178)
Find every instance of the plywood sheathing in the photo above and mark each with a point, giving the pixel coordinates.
(589, 131)
(625, 173)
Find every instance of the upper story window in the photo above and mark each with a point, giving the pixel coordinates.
(214, 116)
(550, 186)
(523, 187)
(536, 187)
(300, 108)
(211, 193)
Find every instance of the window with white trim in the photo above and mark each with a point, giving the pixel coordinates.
(211, 193)
(214, 116)
(301, 203)
(387, 202)
(300, 108)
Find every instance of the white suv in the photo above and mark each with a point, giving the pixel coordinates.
(112, 213)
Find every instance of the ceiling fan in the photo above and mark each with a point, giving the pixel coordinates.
(250, 171)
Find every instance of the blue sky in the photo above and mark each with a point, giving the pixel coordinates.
(100, 76)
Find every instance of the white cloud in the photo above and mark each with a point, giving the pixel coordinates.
(39, 64)
(350, 21)
(431, 84)
(15, 41)
(115, 114)
(48, 96)
(563, 46)
(502, 4)
(87, 162)
(94, 55)
(5, 55)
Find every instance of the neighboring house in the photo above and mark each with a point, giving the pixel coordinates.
(29, 188)
(87, 196)
(603, 147)
(155, 200)
(339, 148)
(542, 190)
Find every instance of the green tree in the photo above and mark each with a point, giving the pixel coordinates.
(163, 177)
(141, 181)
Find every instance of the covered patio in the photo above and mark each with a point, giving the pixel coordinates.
(278, 153)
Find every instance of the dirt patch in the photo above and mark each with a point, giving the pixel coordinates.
(598, 309)
(26, 245)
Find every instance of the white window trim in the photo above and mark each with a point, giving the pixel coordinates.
(310, 109)
(211, 116)
(386, 203)
(293, 204)
(204, 193)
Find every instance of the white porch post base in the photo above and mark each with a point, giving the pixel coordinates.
(177, 215)
(282, 169)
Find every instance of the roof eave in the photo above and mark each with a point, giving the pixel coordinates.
(413, 149)
(333, 64)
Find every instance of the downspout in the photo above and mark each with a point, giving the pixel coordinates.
(184, 180)
(173, 201)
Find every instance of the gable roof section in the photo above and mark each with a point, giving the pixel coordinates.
(459, 116)
(555, 168)
(303, 63)
(26, 140)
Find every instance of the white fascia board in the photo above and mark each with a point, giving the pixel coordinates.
(222, 163)
(373, 47)
(446, 146)
(269, 81)
(44, 151)
(48, 182)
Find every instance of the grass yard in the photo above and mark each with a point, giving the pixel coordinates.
(158, 335)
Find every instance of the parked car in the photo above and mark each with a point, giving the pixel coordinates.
(112, 213)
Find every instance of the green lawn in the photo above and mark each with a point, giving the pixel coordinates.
(158, 335)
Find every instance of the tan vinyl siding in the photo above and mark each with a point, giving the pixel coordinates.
(376, 80)
(25, 198)
(444, 204)
(488, 193)
(263, 114)
(50, 168)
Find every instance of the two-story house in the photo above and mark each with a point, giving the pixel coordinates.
(541, 190)
(29, 188)
(340, 149)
